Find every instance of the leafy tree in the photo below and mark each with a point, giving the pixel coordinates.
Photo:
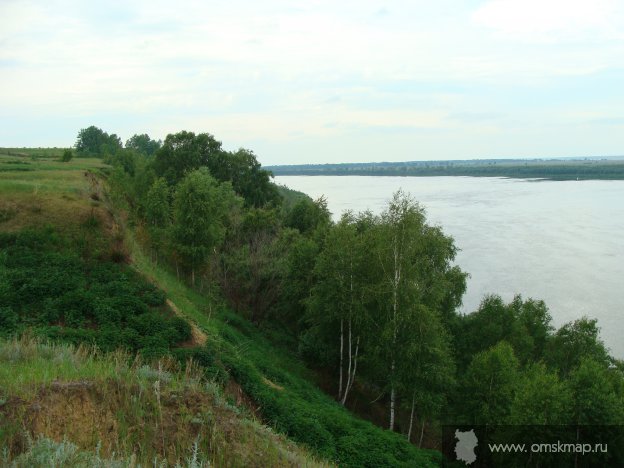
(248, 179)
(112, 145)
(523, 324)
(157, 207)
(143, 144)
(201, 209)
(299, 281)
(158, 213)
(9, 321)
(184, 152)
(535, 319)
(489, 385)
(307, 215)
(426, 369)
(598, 399)
(124, 159)
(341, 298)
(93, 141)
(541, 398)
(415, 260)
(254, 264)
(575, 341)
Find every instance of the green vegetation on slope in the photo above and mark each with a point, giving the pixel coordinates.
(45, 285)
(280, 385)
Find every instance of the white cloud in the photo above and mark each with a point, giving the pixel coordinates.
(551, 20)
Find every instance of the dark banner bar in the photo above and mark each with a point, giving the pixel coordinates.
(533, 446)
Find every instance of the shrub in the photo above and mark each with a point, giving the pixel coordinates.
(67, 155)
(8, 321)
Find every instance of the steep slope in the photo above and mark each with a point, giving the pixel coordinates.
(257, 378)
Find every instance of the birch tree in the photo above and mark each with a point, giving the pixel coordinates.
(201, 209)
(415, 261)
(426, 368)
(340, 296)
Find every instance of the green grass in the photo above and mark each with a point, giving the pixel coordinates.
(33, 152)
(52, 193)
(26, 366)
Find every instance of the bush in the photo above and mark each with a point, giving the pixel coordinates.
(46, 285)
(67, 155)
(8, 321)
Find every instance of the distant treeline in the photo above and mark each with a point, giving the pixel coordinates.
(609, 169)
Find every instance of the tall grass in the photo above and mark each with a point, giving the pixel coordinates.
(160, 415)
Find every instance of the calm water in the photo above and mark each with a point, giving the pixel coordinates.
(562, 242)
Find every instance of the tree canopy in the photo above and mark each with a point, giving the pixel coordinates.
(143, 144)
(93, 141)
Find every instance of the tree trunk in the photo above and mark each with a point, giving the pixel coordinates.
(409, 431)
(351, 378)
(392, 403)
(395, 305)
(344, 396)
(422, 433)
(357, 349)
(341, 357)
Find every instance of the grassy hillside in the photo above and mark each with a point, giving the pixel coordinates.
(157, 407)
(73, 406)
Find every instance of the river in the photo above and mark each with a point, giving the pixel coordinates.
(562, 242)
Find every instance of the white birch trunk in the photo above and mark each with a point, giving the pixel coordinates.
(344, 396)
(422, 433)
(341, 357)
(409, 431)
(392, 403)
(395, 305)
(351, 372)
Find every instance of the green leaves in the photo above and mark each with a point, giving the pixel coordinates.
(575, 341)
(157, 207)
(541, 398)
(67, 298)
(93, 141)
(490, 385)
(143, 144)
(201, 210)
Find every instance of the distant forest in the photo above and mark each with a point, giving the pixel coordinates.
(552, 169)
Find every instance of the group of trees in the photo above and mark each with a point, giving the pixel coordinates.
(371, 299)
(95, 142)
(382, 287)
(522, 371)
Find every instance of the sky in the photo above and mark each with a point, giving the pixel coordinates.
(321, 81)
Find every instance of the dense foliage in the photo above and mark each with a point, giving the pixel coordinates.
(93, 141)
(46, 286)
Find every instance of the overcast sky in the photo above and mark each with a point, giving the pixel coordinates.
(321, 81)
